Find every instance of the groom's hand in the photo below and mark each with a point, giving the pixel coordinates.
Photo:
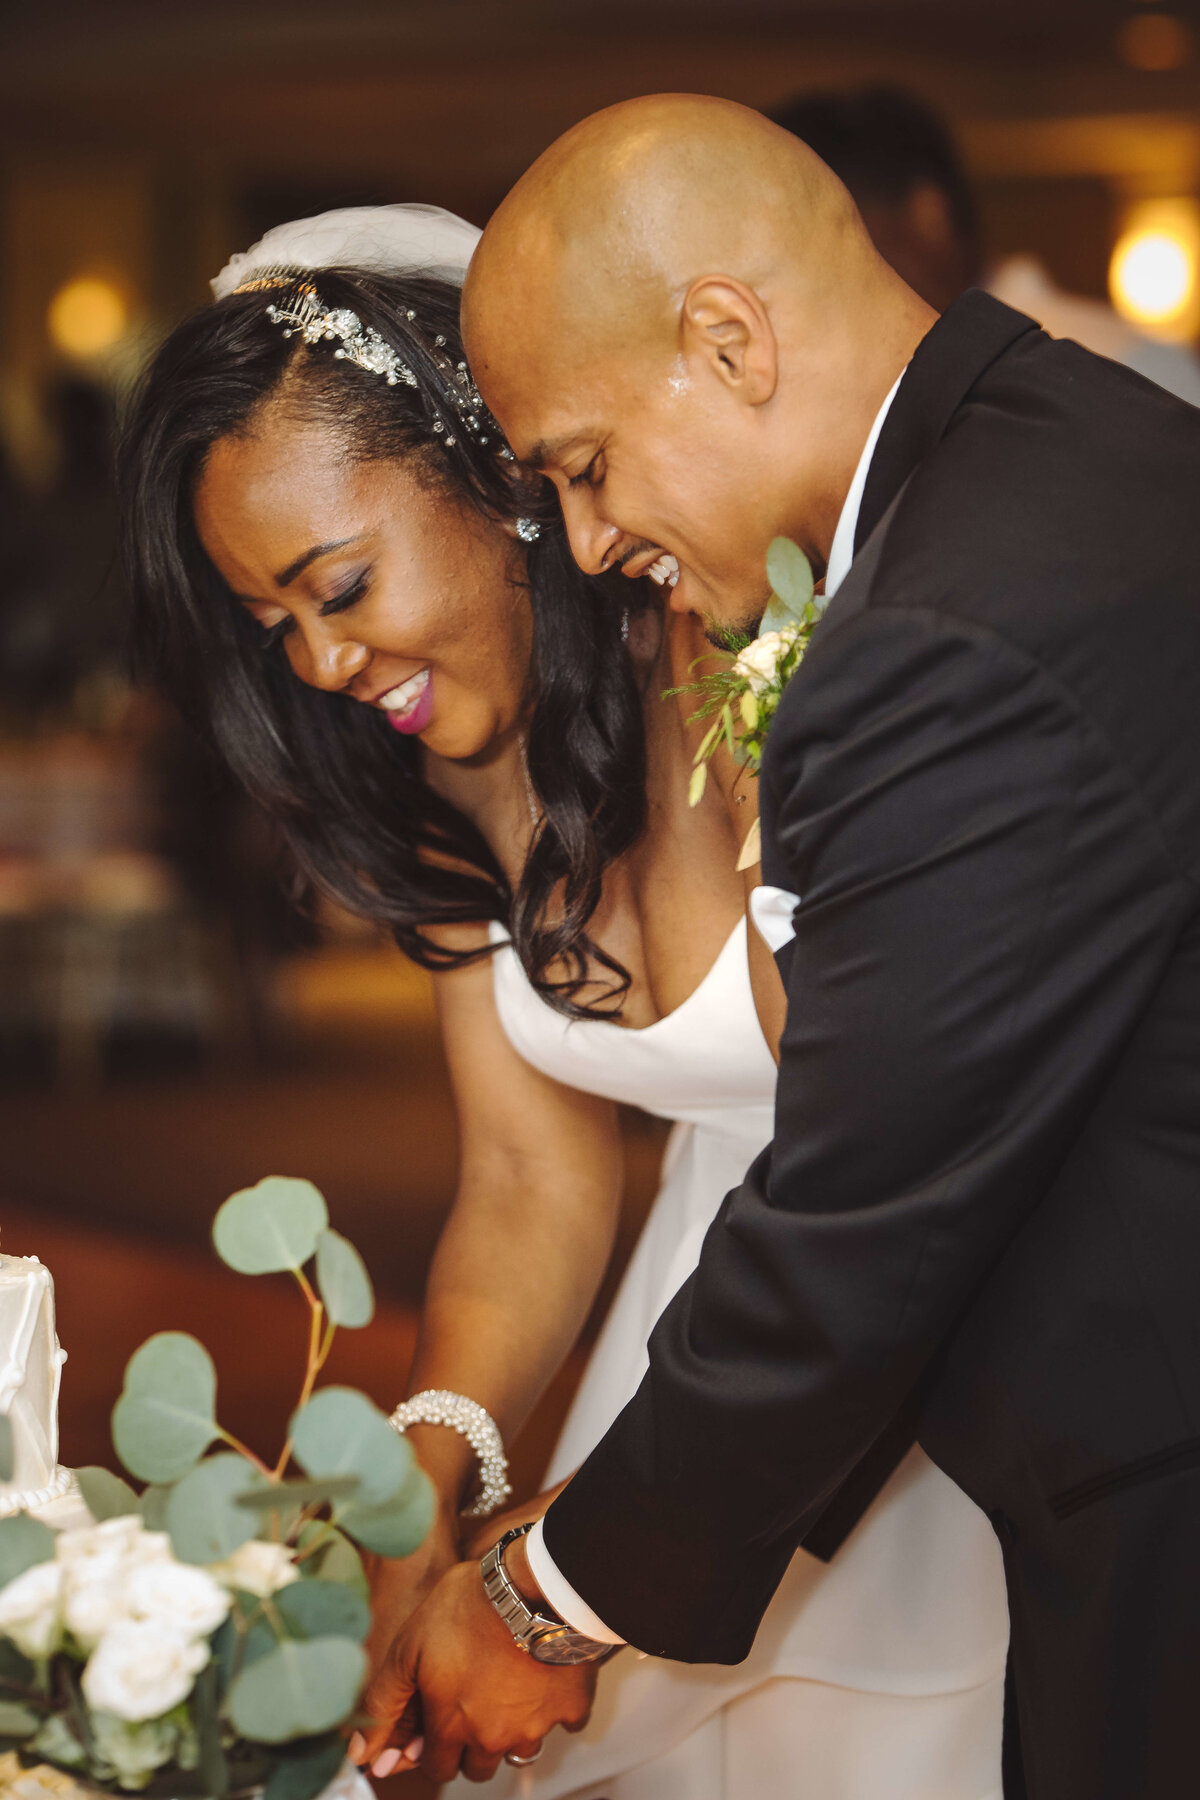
(480, 1696)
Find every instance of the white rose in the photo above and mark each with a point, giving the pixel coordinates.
(141, 1668)
(98, 1564)
(115, 1537)
(184, 1596)
(257, 1568)
(31, 1610)
(94, 1596)
(759, 662)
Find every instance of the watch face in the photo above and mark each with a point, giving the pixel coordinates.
(562, 1645)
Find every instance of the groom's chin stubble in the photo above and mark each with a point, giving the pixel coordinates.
(719, 635)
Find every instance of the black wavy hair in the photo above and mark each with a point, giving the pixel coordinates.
(363, 825)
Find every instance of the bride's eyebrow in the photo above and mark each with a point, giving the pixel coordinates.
(288, 575)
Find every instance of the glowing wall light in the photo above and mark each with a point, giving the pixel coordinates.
(1154, 275)
(1155, 42)
(87, 316)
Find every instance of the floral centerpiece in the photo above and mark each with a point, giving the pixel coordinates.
(205, 1636)
(741, 697)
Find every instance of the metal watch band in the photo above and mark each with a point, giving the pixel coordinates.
(543, 1636)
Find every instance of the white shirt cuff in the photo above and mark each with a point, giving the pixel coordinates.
(773, 911)
(559, 1593)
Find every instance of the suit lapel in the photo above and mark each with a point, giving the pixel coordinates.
(947, 363)
(966, 341)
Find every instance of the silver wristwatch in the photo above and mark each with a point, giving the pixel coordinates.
(544, 1636)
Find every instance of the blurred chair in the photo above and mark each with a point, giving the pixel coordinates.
(96, 936)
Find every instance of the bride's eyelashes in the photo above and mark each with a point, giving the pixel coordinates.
(347, 596)
(270, 635)
(339, 602)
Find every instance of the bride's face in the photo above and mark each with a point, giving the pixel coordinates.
(380, 585)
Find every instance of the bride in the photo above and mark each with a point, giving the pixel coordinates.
(340, 573)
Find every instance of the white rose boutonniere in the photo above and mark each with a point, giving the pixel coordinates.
(742, 697)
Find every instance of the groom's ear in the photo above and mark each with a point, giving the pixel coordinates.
(726, 324)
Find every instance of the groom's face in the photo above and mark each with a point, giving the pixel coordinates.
(654, 466)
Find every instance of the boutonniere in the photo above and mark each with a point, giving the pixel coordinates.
(742, 697)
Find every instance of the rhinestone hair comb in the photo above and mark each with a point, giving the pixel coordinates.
(305, 314)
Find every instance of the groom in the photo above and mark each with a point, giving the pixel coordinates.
(980, 1216)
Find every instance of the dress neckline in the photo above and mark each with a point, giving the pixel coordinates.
(643, 1031)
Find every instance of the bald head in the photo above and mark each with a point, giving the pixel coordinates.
(626, 210)
(674, 272)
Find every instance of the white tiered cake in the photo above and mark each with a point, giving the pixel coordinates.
(30, 1371)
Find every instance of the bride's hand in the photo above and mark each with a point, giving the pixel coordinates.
(398, 1586)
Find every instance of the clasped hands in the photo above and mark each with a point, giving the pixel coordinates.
(451, 1691)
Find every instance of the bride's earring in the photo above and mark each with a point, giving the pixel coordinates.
(528, 530)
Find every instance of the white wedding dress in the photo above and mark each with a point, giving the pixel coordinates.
(876, 1677)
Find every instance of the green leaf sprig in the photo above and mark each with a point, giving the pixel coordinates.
(287, 1663)
(741, 697)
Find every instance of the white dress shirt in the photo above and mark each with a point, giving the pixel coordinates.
(772, 910)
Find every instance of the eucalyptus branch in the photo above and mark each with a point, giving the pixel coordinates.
(319, 1346)
(318, 1543)
(235, 1443)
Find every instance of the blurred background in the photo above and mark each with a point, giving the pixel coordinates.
(171, 1028)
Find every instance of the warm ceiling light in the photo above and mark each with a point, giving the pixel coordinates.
(1155, 42)
(1153, 273)
(87, 316)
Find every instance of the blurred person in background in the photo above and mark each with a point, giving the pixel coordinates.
(903, 168)
(340, 576)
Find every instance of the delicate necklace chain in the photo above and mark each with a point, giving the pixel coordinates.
(531, 797)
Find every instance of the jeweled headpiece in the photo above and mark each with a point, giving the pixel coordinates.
(391, 240)
(306, 315)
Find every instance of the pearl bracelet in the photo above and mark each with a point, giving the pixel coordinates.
(438, 1406)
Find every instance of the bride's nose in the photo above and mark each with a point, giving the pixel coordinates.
(330, 661)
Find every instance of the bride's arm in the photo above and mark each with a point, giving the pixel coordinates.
(519, 1260)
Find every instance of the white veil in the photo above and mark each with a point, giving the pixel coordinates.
(388, 240)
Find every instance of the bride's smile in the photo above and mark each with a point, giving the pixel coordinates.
(375, 581)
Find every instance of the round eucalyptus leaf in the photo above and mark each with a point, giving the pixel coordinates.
(343, 1280)
(340, 1432)
(154, 1507)
(105, 1495)
(398, 1527)
(297, 1690)
(790, 575)
(17, 1721)
(23, 1542)
(304, 1775)
(778, 617)
(6, 1448)
(334, 1557)
(164, 1421)
(204, 1519)
(311, 1609)
(274, 1225)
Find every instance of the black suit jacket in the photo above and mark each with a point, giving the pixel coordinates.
(983, 1196)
